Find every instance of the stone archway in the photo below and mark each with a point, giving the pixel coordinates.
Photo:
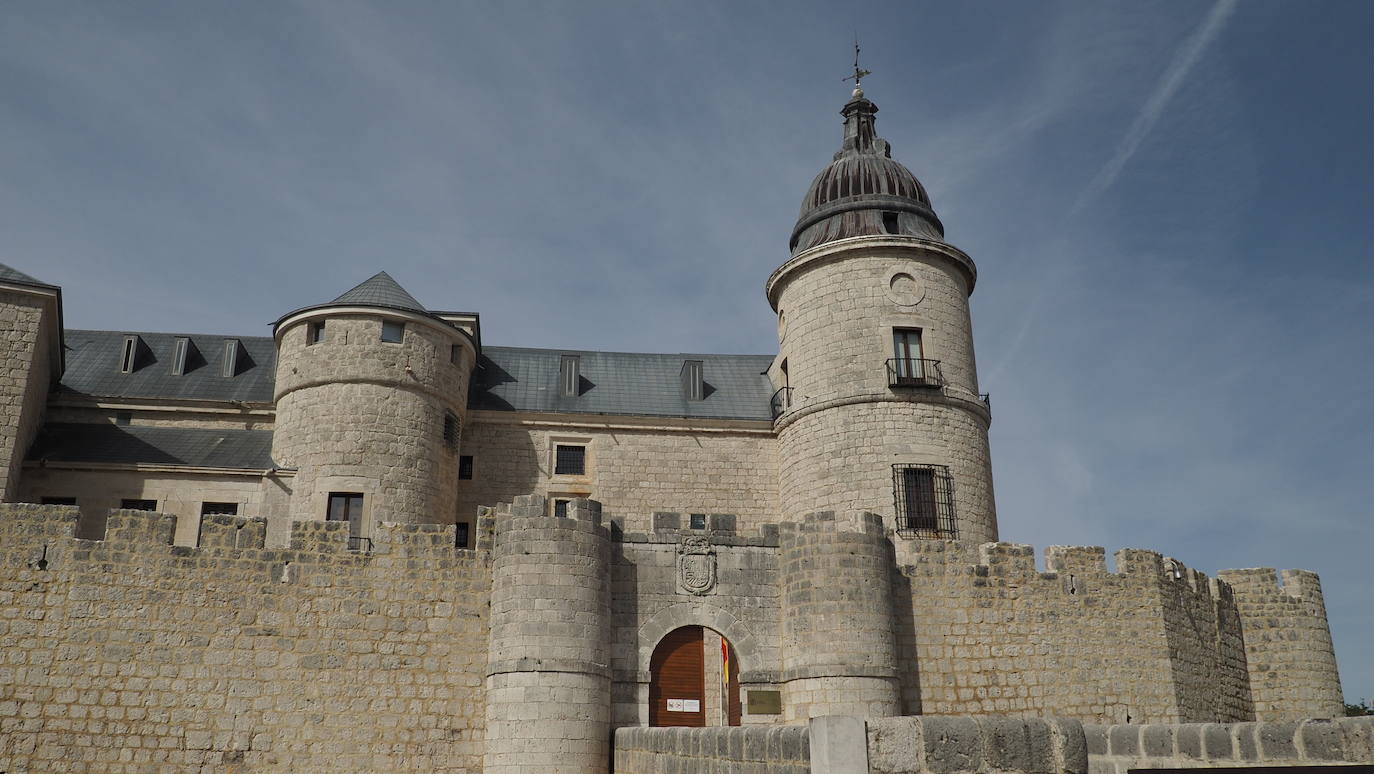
(694, 679)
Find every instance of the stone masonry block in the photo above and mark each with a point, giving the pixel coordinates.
(1278, 741)
(1216, 741)
(1125, 740)
(1157, 741)
(1322, 740)
(952, 744)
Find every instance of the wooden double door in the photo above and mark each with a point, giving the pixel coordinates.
(693, 680)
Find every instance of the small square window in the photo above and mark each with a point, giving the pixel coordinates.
(58, 501)
(314, 333)
(569, 460)
(226, 509)
(393, 332)
(465, 467)
(698, 521)
(461, 536)
(560, 507)
(129, 504)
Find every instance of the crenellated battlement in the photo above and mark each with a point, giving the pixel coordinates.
(857, 522)
(25, 528)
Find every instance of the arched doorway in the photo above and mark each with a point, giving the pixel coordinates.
(694, 680)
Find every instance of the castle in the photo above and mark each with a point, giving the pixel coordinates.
(370, 542)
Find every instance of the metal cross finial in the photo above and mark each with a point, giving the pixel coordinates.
(859, 72)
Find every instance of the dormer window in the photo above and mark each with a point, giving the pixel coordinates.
(569, 375)
(314, 333)
(128, 354)
(693, 380)
(179, 350)
(230, 365)
(890, 225)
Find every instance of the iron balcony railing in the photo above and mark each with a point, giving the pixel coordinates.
(781, 401)
(914, 372)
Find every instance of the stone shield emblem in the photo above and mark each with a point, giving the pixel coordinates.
(696, 566)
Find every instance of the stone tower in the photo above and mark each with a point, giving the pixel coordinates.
(879, 409)
(371, 393)
(881, 429)
(30, 362)
(548, 701)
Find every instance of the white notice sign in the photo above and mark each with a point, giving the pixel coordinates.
(691, 705)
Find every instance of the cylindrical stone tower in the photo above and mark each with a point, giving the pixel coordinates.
(548, 675)
(880, 409)
(371, 392)
(839, 654)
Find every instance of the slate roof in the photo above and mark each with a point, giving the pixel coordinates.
(381, 290)
(196, 447)
(10, 274)
(93, 359)
(622, 383)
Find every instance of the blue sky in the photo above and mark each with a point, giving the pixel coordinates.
(1169, 204)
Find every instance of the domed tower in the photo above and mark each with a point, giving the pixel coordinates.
(880, 409)
(371, 393)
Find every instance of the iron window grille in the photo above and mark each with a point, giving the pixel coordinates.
(924, 500)
(451, 430)
(569, 460)
(360, 544)
(465, 467)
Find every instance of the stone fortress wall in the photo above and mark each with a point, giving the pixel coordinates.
(25, 372)
(132, 655)
(131, 651)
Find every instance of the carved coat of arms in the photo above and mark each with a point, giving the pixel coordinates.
(696, 565)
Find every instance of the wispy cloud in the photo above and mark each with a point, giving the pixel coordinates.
(1164, 90)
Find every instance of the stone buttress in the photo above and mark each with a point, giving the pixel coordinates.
(548, 675)
(838, 649)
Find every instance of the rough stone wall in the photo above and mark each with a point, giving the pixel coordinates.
(130, 655)
(25, 373)
(838, 651)
(1288, 646)
(548, 681)
(775, 750)
(982, 631)
(97, 492)
(356, 414)
(846, 426)
(841, 459)
(1324, 742)
(648, 602)
(633, 473)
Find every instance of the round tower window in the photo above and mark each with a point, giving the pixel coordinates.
(904, 289)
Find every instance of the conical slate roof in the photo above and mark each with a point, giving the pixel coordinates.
(380, 290)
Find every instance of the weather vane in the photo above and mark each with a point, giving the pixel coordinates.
(859, 72)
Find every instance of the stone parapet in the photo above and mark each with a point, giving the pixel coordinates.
(760, 750)
(1313, 742)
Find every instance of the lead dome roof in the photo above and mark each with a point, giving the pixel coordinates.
(863, 191)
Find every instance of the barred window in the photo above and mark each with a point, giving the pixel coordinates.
(451, 430)
(924, 496)
(569, 460)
